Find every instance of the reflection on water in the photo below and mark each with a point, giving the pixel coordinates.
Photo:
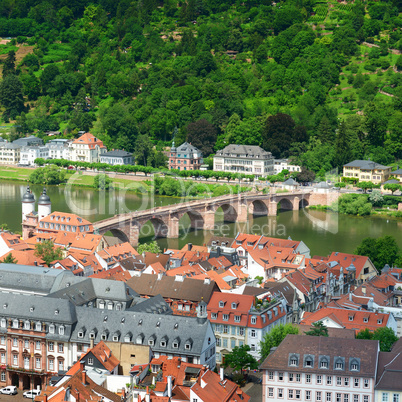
(323, 232)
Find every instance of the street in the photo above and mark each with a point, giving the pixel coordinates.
(14, 398)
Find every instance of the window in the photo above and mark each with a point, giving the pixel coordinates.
(339, 365)
(15, 342)
(233, 343)
(308, 378)
(395, 398)
(15, 360)
(329, 380)
(297, 392)
(61, 365)
(290, 393)
(37, 345)
(225, 317)
(221, 304)
(270, 375)
(324, 363)
(50, 346)
(308, 362)
(356, 382)
(15, 323)
(61, 330)
(3, 340)
(213, 315)
(163, 344)
(291, 377)
(37, 362)
(253, 333)
(27, 325)
(90, 361)
(280, 392)
(297, 377)
(51, 364)
(293, 361)
(51, 329)
(280, 376)
(3, 376)
(225, 329)
(385, 397)
(318, 396)
(355, 398)
(319, 379)
(308, 395)
(366, 383)
(366, 398)
(3, 323)
(328, 397)
(2, 357)
(38, 326)
(234, 306)
(346, 381)
(338, 380)
(270, 392)
(253, 320)
(346, 398)
(237, 318)
(61, 347)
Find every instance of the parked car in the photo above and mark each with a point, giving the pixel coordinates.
(10, 390)
(31, 393)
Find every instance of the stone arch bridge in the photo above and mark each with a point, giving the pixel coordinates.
(235, 208)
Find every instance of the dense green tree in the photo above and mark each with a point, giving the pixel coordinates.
(11, 96)
(50, 174)
(9, 259)
(202, 134)
(386, 336)
(274, 337)
(102, 182)
(142, 150)
(342, 149)
(48, 252)
(240, 359)
(9, 64)
(318, 329)
(392, 187)
(152, 247)
(381, 251)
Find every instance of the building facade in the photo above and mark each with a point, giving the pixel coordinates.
(285, 164)
(367, 171)
(185, 157)
(117, 157)
(30, 153)
(59, 149)
(310, 368)
(10, 154)
(87, 148)
(247, 159)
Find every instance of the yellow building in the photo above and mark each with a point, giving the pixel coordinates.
(367, 171)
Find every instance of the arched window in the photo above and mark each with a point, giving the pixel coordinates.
(354, 365)
(293, 360)
(324, 363)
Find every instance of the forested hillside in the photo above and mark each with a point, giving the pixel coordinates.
(318, 81)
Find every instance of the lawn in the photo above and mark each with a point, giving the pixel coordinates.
(12, 173)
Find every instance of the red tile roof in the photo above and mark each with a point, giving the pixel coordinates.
(90, 140)
(350, 319)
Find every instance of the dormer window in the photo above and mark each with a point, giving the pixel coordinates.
(61, 330)
(379, 321)
(163, 344)
(253, 320)
(225, 317)
(234, 306)
(221, 304)
(3, 323)
(351, 318)
(27, 325)
(324, 363)
(294, 360)
(92, 335)
(104, 336)
(15, 323)
(339, 365)
(308, 361)
(115, 338)
(354, 364)
(51, 329)
(187, 346)
(175, 345)
(38, 326)
(80, 334)
(151, 342)
(237, 318)
(214, 316)
(365, 319)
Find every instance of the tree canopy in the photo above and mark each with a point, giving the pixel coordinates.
(385, 335)
(274, 337)
(48, 252)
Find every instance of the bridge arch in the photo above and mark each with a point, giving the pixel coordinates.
(120, 234)
(161, 229)
(227, 211)
(195, 217)
(284, 204)
(258, 208)
(303, 203)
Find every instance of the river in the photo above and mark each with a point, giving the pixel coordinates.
(323, 232)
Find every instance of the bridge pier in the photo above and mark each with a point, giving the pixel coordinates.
(209, 219)
(242, 212)
(134, 234)
(173, 228)
(272, 208)
(296, 201)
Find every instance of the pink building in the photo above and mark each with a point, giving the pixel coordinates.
(185, 157)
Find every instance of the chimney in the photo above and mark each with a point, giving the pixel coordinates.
(218, 251)
(44, 398)
(91, 343)
(350, 297)
(78, 397)
(82, 365)
(147, 395)
(84, 376)
(364, 290)
(169, 384)
(221, 374)
(189, 246)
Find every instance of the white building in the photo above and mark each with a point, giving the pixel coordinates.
(247, 159)
(318, 368)
(117, 157)
(59, 149)
(87, 148)
(9, 154)
(284, 164)
(30, 153)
